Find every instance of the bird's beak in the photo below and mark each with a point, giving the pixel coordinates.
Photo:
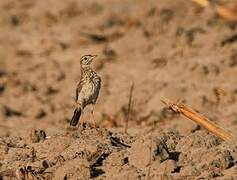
(93, 56)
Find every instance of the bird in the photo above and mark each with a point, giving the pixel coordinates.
(87, 90)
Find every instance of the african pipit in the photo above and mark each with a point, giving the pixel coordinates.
(87, 90)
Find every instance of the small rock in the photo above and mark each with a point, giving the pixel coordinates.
(8, 112)
(74, 169)
(161, 150)
(168, 166)
(40, 114)
(140, 154)
(37, 136)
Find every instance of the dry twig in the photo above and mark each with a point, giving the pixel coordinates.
(227, 11)
(201, 120)
(129, 107)
(202, 3)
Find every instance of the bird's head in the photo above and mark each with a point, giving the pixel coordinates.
(87, 59)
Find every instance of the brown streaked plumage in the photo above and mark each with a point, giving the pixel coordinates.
(88, 88)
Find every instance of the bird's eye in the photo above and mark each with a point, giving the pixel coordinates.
(85, 58)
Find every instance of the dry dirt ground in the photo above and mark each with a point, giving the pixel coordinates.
(169, 49)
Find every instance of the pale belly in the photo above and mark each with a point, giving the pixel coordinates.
(87, 94)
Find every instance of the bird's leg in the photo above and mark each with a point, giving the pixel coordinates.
(92, 114)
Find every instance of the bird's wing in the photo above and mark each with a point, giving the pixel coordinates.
(78, 89)
(98, 82)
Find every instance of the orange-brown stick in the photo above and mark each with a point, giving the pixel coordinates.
(227, 11)
(202, 121)
(202, 3)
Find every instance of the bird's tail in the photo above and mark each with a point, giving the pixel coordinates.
(76, 117)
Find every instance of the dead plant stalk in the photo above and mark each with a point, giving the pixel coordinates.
(201, 120)
(129, 106)
(227, 11)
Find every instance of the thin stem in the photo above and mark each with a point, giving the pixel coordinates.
(129, 106)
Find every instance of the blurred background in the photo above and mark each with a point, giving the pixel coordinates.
(169, 49)
(176, 49)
